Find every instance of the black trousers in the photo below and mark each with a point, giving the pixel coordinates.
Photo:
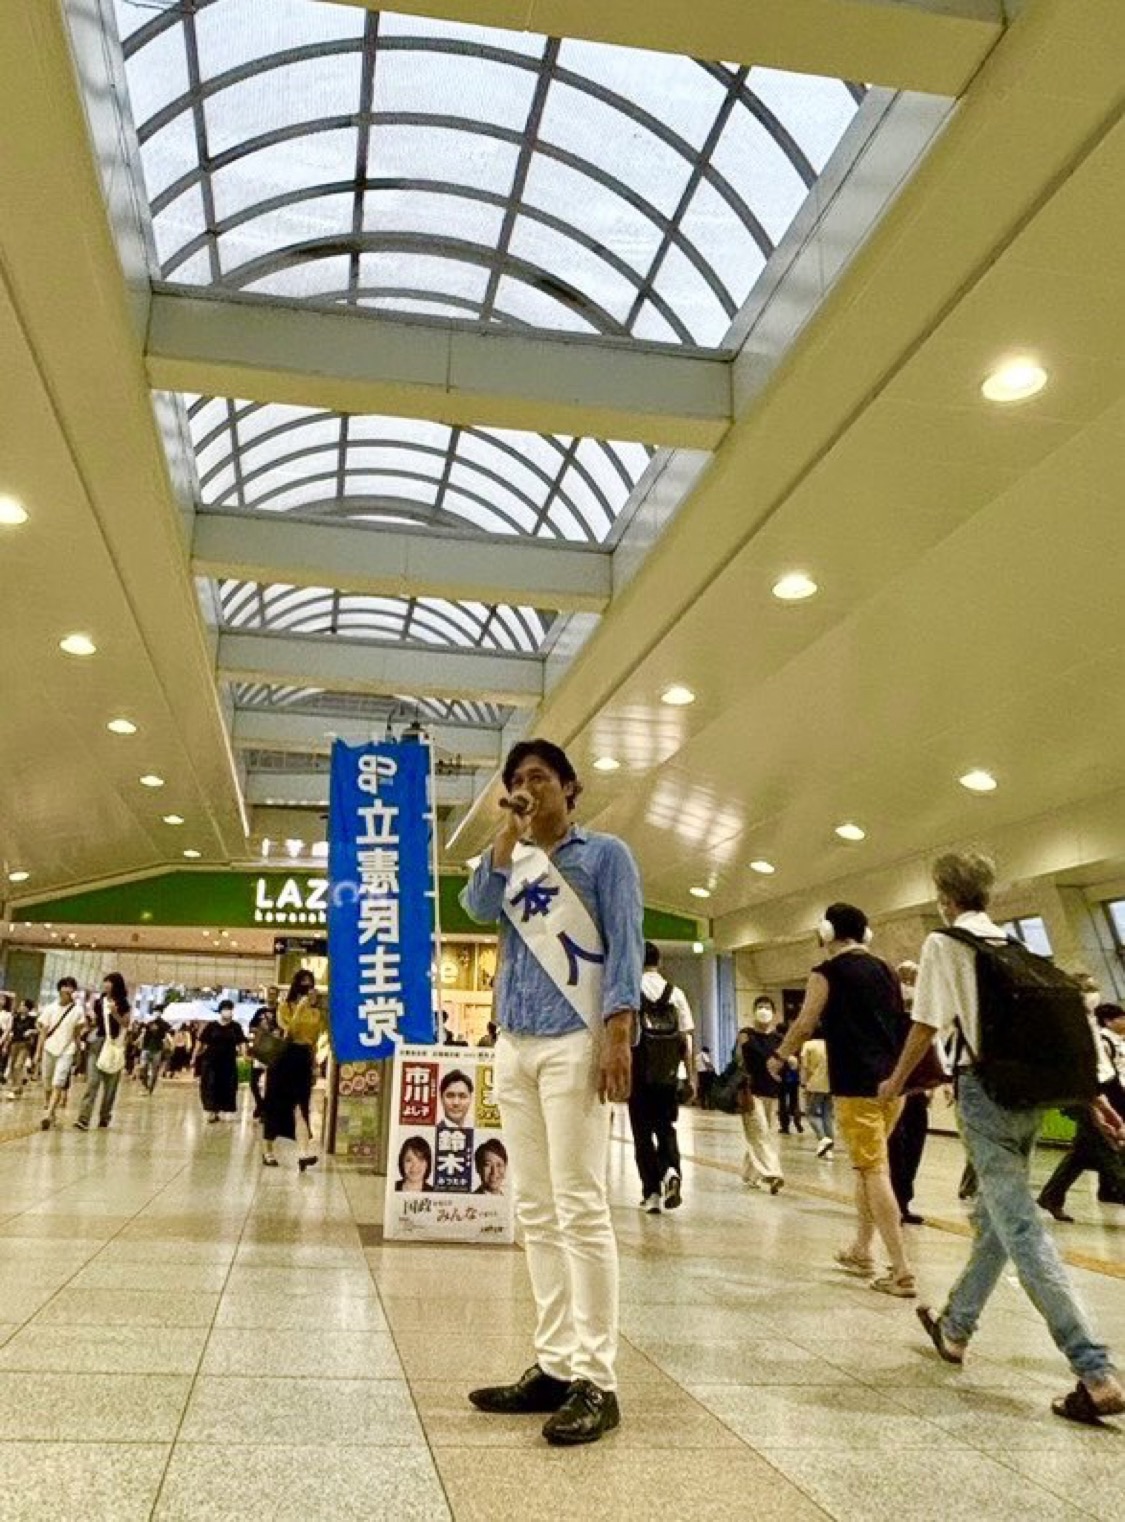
(789, 1107)
(907, 1143)
(652, 1115)
(1088, 1150)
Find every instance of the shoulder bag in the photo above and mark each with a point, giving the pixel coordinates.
(111, 1058)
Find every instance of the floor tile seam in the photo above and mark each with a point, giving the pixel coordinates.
(68, 1282)
(1072, 1257)
(1000, 1457)
(210, 1327)
(409, 1383)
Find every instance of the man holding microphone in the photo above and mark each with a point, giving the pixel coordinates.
(569, 906)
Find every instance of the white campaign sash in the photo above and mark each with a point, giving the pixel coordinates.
(556, 927)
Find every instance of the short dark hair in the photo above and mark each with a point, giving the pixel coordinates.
(67, 982)
(1106, 1013)
(551, 755)
(849, 923)
(456, 1076)
(652, 955)
(493, 1146)
(226, 1004)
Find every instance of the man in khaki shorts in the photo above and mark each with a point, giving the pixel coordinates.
(854, 998)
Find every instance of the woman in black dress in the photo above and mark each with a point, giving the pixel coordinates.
(219, 1045)
(290, 1078)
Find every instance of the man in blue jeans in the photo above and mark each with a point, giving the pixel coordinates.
(999, 1142)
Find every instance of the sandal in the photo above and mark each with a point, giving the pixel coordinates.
(855, 1263)
(1079, 1406)
(900, 1285)
(932, 1325)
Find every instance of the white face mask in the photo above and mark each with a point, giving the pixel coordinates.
(763, 1017)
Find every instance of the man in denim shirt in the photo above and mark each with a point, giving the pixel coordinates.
(555, 1070)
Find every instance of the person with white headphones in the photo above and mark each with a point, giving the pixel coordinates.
(855, 1000)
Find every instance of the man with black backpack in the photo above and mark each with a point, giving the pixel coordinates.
(1021, 1044)
(663, 1043)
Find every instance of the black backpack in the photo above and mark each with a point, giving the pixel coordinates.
(1036, 1045)
(660, 1046)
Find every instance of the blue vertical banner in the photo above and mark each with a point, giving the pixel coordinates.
(381, 899)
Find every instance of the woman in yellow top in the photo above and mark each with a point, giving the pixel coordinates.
(289, 1081)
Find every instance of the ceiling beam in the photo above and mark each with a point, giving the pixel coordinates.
(931, 45)
(345, 665)
(255, 348)
(310, 790)
(271, 547)
(313, 734)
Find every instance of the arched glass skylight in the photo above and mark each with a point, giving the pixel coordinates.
(364, 707)
(361, 707)
(400, 472)
(250, 607)
(330, 153)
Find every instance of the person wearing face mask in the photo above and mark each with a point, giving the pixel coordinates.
(219, 1045)
(289, 1081)
(1090, 1149)
(855, 1000)
(756, 1045)
(1000, 1135)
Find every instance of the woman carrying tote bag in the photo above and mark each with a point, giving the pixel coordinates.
(105, 1050)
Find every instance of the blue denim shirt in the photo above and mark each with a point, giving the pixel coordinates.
(601, 870)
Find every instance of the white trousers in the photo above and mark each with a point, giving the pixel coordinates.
(557, 1132)
(759, 1124)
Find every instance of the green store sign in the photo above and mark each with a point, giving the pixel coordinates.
(290, 901)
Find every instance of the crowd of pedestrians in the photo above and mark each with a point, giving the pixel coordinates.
(96, 1043)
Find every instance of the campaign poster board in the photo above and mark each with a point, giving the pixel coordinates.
(448, 1178)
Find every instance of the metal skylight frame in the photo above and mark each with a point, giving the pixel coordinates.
(354, 707)
(537, 265)
(248, 607)
(419, 474)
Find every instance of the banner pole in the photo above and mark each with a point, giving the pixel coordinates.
(435, 948)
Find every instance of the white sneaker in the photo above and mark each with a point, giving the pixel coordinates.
(824, 1147)
(651, 1204)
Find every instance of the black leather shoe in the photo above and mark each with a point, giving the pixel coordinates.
(587, 1414)
(1053, 1208)
(532, 1394)
(911, 1218)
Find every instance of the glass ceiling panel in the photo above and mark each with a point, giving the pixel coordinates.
(270, 457)
(261, 697)
(250, 607)
(327, 152)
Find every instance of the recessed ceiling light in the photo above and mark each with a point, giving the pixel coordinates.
(697, 947)
(607, 764)
(1015, 380)
(173, 819)
(12, 512)
(677, 697)
(795, 587)
(978, 781)
(121, 727)
(766, 868)
(700, 892)
(18, 877)
(850, 832)
(193, 855)
(78, 644)
(150, 779)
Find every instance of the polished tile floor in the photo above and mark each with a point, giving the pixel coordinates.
(186, 1335)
